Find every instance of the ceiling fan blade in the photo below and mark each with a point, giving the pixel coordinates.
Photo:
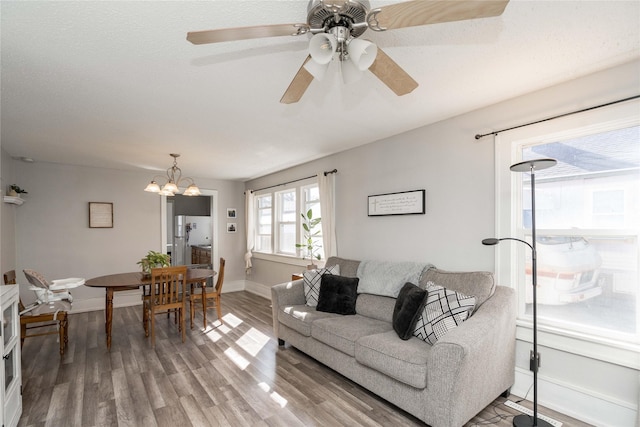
(244, 33)
(298, 85)
(392, 74)
(423, 12)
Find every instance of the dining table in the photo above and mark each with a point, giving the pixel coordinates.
(134, 280)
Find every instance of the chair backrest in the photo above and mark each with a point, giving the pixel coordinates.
(36, 279)
(170, 283)
(10, 279)
(220, 280)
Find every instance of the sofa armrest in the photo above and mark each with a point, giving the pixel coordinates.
(283, 295)
(475, 362)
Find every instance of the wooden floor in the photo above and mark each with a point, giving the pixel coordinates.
(227, 375)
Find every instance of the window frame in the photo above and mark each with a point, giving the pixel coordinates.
(275, 254)
(510, 258)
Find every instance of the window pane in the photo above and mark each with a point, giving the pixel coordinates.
(264, 201)
(588, 222)
(287, 238)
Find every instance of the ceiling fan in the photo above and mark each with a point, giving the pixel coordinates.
(335, 27)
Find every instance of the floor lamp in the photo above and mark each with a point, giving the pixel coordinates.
(530, 166)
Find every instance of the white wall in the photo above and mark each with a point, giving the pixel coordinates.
(457, 172)
(7, 216)
(54, 238)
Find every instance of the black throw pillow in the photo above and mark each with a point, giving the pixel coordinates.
(409, 305)
(338, 294)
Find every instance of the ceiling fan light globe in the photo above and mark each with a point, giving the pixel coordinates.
(350, 71)
(322, 47)
(362, 52)
(316, 70)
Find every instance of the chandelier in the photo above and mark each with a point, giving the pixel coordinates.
(173, 178)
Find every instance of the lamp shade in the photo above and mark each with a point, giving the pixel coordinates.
(362, 53)
(153, 187)
(170, 187)
(322, 47)
(192, 190)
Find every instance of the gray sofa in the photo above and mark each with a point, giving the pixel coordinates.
(445, 384)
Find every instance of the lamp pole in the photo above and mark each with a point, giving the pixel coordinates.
(534, 360)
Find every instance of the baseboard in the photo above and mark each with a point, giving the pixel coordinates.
(581, 404)
(258, 289)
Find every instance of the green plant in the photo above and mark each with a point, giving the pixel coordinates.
(154, 259)
(18, 189)
(309, 223)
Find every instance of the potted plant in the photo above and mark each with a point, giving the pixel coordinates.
(152, 260)
(15, 191)
(309, 246)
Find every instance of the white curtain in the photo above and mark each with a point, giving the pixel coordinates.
(326, 185)
(250, 227)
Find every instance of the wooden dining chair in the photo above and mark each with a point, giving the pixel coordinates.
(42, 316)
(167, 294)
(213, 296)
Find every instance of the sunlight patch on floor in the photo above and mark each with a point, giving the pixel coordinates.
(280, 401)
(231, 320)
(236, 358)
(253, 341)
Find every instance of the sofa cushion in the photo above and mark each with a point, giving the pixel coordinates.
(480, 284)
(348, 267)
(408, 308)
(445, 310)
(300, 317)
(342, 332)
(376, 307)
(386, 278)
(337, 294)
(311, 281)
(404, 361)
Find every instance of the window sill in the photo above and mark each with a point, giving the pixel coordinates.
(606, 350)
(284, 259)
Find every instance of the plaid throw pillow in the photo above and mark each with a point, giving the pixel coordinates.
(312, 283)
(445, 310)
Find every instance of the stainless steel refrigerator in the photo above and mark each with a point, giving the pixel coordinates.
(179, 252)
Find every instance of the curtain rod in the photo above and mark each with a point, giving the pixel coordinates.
(295, 180)
(478, 136)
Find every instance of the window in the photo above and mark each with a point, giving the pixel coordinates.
(278, 220)
(286, 220)
(587, 225)
(588, 219)
(263, 227)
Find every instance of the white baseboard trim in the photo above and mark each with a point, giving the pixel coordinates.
(258, 289)
(581, 404)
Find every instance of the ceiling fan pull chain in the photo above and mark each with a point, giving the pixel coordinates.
(372, 20)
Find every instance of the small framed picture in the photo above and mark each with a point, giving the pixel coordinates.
(100, 215)
(231, 227)
(231, 212)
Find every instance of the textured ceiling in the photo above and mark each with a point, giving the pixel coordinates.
(116, 84)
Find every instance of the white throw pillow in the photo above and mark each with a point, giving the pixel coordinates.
(445, 310)
(312, 283)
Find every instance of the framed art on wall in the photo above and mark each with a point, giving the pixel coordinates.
(402, 203)
(100, 215)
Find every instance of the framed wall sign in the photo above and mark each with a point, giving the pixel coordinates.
(100, 215)
(403, 203)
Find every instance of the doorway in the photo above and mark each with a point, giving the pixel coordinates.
(189, 232)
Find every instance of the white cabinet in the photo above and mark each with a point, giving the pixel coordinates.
(10, 369)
